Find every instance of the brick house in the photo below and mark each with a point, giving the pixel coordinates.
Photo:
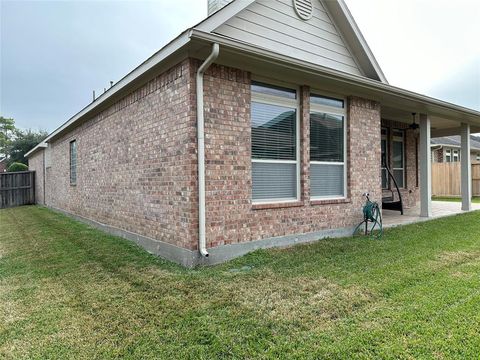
(448, 149)
(261, 126)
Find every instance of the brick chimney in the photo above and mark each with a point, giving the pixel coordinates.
(215, 5)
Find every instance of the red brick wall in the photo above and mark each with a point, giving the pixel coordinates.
(135, 162)
(231, 217)
(35, 163)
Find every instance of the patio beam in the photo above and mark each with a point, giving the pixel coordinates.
(466, 166)
(446, 132)
(425, 167)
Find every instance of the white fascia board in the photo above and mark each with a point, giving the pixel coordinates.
(223, 15)
(151, 62)
(42, 145)
(366, 83)
(353, 34)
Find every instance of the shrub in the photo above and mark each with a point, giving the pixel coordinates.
(15, 167)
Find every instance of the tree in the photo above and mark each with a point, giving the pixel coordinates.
(23, 142)
(15, 167)
(7, 132)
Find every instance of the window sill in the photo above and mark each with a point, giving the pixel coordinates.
(329, 201)
(277, 205)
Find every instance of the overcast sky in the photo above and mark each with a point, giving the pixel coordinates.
(54, 53)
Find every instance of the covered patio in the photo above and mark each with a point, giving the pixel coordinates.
(439, 209)
(433, 121)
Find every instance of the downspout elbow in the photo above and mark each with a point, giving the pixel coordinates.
(202, 243)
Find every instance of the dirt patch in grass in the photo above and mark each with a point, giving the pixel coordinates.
(297, 299)
(454, 258)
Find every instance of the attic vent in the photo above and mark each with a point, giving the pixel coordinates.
(304, 8)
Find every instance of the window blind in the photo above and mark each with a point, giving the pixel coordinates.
(274, 143)
(327, 149)
(274, 181)
(273, 132)
(326, 137)
(327, 180)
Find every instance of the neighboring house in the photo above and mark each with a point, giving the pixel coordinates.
(261, 126)
(3, 165)
(448, 149)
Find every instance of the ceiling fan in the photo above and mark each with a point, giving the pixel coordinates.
(414, 125)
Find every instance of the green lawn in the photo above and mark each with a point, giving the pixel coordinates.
(69, 291)
(475, 199)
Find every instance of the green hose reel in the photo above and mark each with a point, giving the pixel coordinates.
(372, 220)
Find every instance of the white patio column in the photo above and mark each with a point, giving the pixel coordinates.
(425, 167)
(466, 168)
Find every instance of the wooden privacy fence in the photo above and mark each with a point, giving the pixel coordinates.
(17, 188)
(446, 179)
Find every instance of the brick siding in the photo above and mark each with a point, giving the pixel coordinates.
(135, 162)
(35, 163)
(231, 217)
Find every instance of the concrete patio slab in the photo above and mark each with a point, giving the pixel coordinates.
(439, 209)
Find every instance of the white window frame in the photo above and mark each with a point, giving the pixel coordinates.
(478, 156)
(281, 101)
(334, 111)
(448, 154)
(403, 155)
(456, 156)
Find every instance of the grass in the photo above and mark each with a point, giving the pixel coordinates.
(69, 291)
(475, 199)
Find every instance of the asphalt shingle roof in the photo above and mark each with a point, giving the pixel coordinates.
(455, 141)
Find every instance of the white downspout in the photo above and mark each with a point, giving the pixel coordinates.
(202, 243)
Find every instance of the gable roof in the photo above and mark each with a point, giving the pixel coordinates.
(203, 34)
(330, 38)
(454, 141)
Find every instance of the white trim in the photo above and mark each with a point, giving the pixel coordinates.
(327, 163)
(285, 102)
(345, 78)
(273, 100)
(42, 145)
(275, 201)
(352, 35)
(274, 161)
(314, 198)
(221, 16)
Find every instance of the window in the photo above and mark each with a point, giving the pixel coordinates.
(275, 149)
(385, 177)
(73, 162)
(478, 156)
(448, 155)
(327, 147)
(456, 156)
(398, 158)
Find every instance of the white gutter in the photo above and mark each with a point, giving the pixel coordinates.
(362, 82)
(202, 243)
(42, 145)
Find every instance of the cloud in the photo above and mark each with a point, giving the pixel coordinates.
(54, 53)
